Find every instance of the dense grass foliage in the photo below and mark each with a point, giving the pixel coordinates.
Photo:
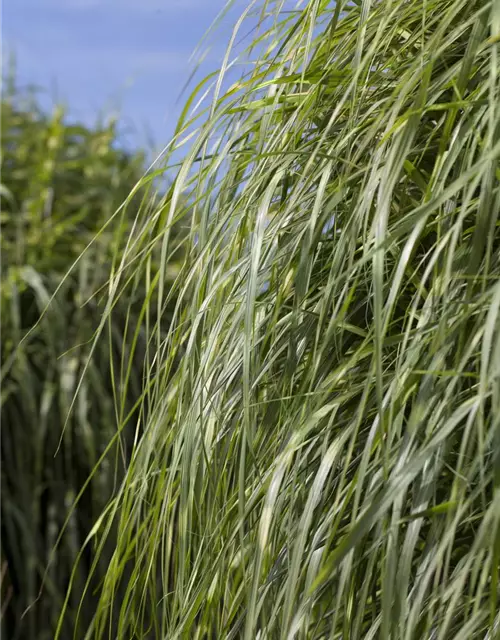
(324, 462)
(60, 184)
(318, 449)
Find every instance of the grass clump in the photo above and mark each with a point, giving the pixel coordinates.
(323, 459)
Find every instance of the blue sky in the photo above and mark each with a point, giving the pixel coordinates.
(105, 54)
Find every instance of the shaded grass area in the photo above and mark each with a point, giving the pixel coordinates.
(61, 407)
(323, 462)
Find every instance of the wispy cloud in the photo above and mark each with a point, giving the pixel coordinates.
(132, 52)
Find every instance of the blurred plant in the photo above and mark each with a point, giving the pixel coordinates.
(61, 183)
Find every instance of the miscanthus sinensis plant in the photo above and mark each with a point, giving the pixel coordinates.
(318, 453)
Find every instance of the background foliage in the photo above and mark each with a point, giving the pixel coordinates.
(61, 182)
